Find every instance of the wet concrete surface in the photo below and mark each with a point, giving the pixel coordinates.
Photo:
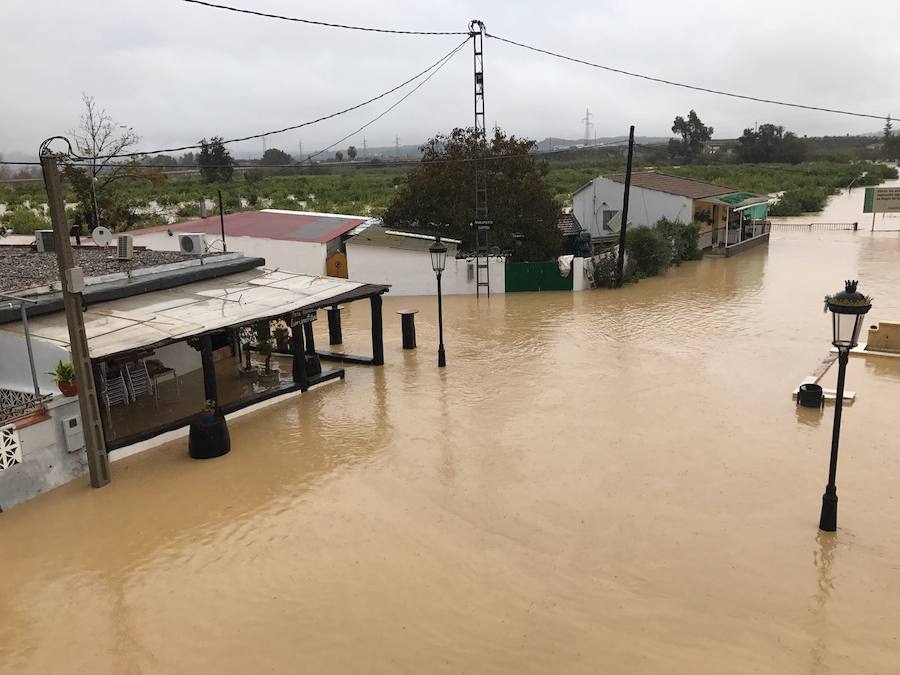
(604, 481)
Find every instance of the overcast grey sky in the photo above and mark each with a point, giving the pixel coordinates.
(177, 72)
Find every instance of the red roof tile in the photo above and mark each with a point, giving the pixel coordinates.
(675, 185)
(288, 226)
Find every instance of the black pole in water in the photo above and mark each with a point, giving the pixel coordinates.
(442, 359)
(620, 267)
(222, 223)
(828, 519)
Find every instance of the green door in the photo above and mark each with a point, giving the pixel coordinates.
(536, 276)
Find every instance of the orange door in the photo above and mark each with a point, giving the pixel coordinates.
(336, 265)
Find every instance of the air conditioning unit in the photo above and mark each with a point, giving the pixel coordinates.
(44, 240)
(125, 247)
(71, 427)
(192, 243)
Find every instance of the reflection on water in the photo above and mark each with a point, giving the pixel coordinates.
(605, 481)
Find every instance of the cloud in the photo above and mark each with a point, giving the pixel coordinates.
(177, 72)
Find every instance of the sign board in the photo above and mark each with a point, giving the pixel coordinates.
(302, 318)
(882, 200)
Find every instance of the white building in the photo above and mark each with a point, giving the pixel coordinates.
(299, 241)
(401, 259)
(727, 217)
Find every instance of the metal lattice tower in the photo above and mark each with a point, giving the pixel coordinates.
(587, 125)
(482, 223)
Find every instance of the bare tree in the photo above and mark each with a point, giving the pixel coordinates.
(106, 145)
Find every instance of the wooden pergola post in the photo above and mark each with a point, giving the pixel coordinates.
(210, 390)
(299, 353)
(377, 332)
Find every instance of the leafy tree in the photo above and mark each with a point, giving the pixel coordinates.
(216, 163)
(693, 135)
(275, 157)
(439, 193)
(188, 159)
(770, 143)
(888, 129)
(339, 156)
(351, 152)
(162, 160)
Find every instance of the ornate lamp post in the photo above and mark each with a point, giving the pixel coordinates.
(438, 253)
(848, 310)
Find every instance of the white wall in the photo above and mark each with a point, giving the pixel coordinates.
(645, 207)
(410, 273)
(292, 256)
(180, 356)
(14, 370)
(579, 281)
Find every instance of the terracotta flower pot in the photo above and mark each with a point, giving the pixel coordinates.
(68, 388)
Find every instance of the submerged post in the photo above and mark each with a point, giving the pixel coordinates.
(72, 282)
(377, 332)
(620, 267)
(334, 325)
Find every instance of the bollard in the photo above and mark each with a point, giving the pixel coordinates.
(334, 325)
(408, 325)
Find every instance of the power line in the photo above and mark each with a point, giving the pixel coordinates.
(322, 23)
(251, 137)
(681, 84)
(396, 103)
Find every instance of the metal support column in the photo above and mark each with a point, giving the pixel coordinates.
(482, 222)
(72, 283)
(299, 353)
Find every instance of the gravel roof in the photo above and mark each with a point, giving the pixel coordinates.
(22, 268)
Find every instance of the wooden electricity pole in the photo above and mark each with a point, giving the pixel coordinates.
(620, 267)
(72, 280)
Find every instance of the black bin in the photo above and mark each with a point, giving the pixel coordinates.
(810, 396)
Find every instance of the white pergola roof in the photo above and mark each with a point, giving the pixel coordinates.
(158, 317)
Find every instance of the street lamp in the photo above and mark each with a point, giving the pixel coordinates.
(438, 253)
(848, 310)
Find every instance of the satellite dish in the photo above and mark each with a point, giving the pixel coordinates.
(101, 236)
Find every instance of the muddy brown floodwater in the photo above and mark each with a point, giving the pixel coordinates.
(611, 482)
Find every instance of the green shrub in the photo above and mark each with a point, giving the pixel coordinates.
(605, 271)
(25, 221)
(684, 239)
(650, 251)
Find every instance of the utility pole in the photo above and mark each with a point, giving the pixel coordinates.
(620, 267)
(72, 280)
(365, 151)
(482, 222)
(299, 150)
(397, 144)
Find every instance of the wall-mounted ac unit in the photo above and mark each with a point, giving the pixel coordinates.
(192, 243)
(125, 247)
(44, 240)
(71, 427)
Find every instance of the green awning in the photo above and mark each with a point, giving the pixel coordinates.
(736, 197)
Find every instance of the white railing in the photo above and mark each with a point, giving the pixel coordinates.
(10, 447)
(15, 403)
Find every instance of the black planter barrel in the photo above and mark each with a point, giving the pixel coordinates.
(408, 326)
(209, 439)
(810, 396)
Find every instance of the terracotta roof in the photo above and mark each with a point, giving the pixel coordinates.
(568, 225)
(674, 185)
(270, 224)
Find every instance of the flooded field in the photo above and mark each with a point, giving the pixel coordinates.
(604, 481)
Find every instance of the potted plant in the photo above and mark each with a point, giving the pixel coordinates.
(64, 376)
(208, 412)
(247, 369)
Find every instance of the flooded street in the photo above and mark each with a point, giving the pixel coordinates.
(603, 481)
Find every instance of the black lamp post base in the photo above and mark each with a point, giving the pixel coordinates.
(442, 360)
(828, 519)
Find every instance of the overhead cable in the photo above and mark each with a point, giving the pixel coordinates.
(251, 137)
(682, 84)
(326, 24)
